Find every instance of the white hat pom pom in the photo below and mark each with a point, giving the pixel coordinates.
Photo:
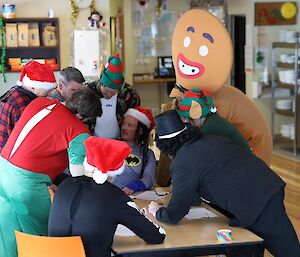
(99, 177)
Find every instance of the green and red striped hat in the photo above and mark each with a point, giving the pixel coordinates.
(112, 75)
(202, 97)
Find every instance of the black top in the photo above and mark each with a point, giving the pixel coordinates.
(223, 173)
(93, 211)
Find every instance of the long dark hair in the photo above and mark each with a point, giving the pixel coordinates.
(170, 146)
(142, 134)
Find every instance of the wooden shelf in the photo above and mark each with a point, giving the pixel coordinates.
(283, 45)
(35, 52)
(284, 140)
(285, 112)
(286, 65)
(285, 86)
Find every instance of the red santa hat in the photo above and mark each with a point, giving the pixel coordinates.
(37, 75)
(143, 115)
(105, 157)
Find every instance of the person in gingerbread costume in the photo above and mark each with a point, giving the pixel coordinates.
(97, 206)
(47, 137)
(202, 56)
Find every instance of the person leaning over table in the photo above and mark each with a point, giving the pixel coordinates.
(92, 207)
(140, 168)
(116, 97)
(228, 176)
(71, 79)
(36, 79)
(47, 137)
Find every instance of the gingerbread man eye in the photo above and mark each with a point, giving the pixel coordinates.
(203, 50)
(186, 41)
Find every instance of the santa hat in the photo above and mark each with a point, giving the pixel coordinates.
(201, 97)
(112, 75)
(37, 75)
(105, 157)
(143, 115)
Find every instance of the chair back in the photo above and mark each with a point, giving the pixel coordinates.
(43, 246)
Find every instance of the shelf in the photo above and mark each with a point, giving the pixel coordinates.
(29, 47)
(285, 112)
(284, 140)
(286, 65)
(283, 45)
(285, 86)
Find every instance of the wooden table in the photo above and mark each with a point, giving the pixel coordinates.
(192, 238)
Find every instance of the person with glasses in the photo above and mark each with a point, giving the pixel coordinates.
(71, 79)
(116, 97)
(47, 138)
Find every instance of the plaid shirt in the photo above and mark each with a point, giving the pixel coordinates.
(12, 104)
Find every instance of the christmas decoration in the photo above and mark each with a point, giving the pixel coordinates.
(75, 11)
(3, 54)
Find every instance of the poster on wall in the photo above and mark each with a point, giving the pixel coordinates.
(275, 13)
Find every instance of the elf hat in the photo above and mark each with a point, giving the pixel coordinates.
(169, 125)
(143, 115)
(195, 104)
(112, 75)
(37, 75)
(105, 157)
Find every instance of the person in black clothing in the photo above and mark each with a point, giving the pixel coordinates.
(92, 207)
(228, 176)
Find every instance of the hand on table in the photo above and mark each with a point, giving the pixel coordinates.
(153, 207)
(127, 191)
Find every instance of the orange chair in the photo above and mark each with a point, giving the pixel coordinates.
(43, 246)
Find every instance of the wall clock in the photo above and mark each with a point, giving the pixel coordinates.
(83, 4)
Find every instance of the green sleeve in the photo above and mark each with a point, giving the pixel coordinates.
(76, 149)
(216, 125)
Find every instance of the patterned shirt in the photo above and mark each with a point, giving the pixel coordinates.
(127, 98)
(12, 104)
(54, 94)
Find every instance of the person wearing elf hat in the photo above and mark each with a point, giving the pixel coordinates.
(116, 98)
(233, 179)
(36, 79)
(201, 112)
(92, 207)
(47, 138)
(140, 169)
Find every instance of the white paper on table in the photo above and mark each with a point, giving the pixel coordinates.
(151, 195)
(199, 213)
(123, 231)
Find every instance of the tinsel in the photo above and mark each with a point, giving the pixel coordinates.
(75, 11)
(3, 53)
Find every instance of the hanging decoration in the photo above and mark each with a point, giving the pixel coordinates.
(92, 6)
(3, 53)
(75, 11)
(158, 7)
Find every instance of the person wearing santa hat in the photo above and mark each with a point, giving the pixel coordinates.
(47, 138)
(139, 173)
(116, 97)
(92, 207)
(36, 80)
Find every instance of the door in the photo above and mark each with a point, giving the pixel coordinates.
(237, 28)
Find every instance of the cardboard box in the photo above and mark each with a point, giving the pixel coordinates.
(33, 34)
(49, 35)
(23, 34)
(11, 35)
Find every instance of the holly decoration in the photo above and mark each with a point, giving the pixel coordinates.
(3, 54)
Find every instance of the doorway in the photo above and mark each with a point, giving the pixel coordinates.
(237, 28)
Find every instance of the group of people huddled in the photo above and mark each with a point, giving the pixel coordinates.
(75, 135)
(89, 143)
